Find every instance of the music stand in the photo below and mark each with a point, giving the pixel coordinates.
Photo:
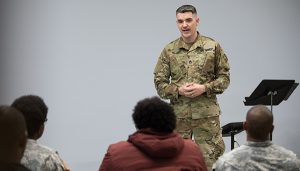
(232, 129)
(271, 92)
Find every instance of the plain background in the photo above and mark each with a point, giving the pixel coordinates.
(92, 60)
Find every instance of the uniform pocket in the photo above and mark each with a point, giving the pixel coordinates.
(209, 63)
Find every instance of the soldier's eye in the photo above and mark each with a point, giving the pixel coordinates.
(189, 20)
(179, 21)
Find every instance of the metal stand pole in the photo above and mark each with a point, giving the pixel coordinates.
(232, 139)
(272, 93)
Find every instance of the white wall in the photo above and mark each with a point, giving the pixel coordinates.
(92, 61)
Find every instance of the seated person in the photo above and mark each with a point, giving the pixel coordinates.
(13, 137)
(259, 153)
(154, 146)
(37, 157)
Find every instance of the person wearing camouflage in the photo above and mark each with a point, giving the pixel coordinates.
(259, 153)
(191, 71)
(36, 156)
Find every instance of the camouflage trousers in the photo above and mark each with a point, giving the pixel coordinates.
(206, 133)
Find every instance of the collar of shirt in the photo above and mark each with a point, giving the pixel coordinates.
(198, 43)
(259, 144)
(31, 140)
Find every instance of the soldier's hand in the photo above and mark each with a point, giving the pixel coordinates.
(187, 90)
(66, 166)
(199, 89)
(184, 90)
(192, 90)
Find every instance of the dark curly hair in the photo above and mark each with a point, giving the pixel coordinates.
(154, 113)
(34, 111)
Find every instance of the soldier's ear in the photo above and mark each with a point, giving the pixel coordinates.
(198, 20)
(41, 131)
(245, 126)
(272, 128)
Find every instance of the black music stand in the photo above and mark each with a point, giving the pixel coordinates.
(271, 92)
(232, 129)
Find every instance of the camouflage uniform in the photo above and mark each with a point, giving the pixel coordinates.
(258, 156)
(203, 62)
(40, 158)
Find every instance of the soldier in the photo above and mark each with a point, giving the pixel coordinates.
(37, 157)
(190, 71)
(259, 153)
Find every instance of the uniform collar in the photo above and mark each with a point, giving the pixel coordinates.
(259, 144)
(198, 43)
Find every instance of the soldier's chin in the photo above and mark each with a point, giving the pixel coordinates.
(186, 35)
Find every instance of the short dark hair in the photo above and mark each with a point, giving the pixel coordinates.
(34, 110)
(12, 132)
(154, 113)
(186, 8)
(260, 122)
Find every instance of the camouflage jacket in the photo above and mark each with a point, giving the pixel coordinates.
(204, 63)
(263, 156)
(41, 158)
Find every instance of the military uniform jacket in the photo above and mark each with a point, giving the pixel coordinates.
(204, 63)
(41, 158)
(254, 156)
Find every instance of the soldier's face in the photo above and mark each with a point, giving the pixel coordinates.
(187, 24)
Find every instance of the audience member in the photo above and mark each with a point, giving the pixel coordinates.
(13, 137)
(259, 153)
(36, 156)
(154, 146)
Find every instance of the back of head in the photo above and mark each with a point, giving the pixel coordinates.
(12, 134)
(259, 121)
(186, 8)
(34, 110)
(154, 113)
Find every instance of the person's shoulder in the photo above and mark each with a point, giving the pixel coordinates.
(284, 151)
(121, 149)
(34, 146)
(236, 157)
(41, 160)
(239, 152)
(172, 43)
(41, 155)
(208, 42)
(288, 158)
(119, 145)
(207, 39)
(45, 149)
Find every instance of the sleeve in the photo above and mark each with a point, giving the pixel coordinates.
(218, 165)
(162, 75)
(222, 74)
(222, 165)
(53, 162)
(106, 162)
